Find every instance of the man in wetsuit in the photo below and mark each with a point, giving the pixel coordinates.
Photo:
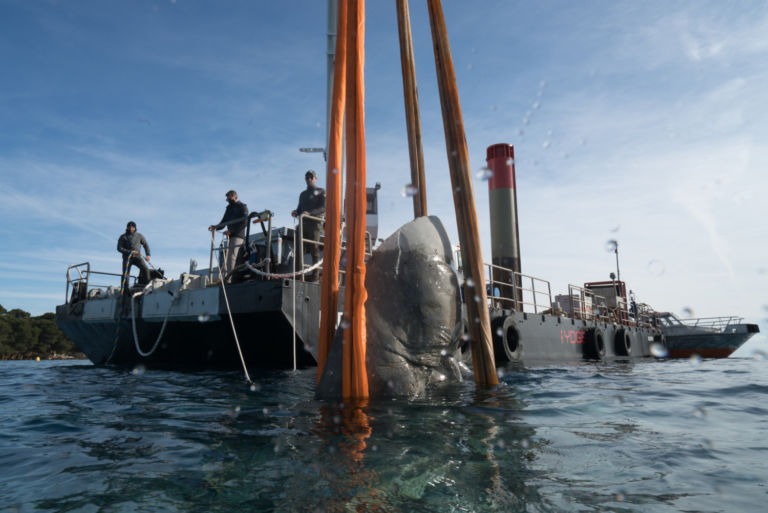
(311, 202)
(234, 220)
(129, 245)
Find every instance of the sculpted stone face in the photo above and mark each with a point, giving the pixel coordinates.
(413, 314)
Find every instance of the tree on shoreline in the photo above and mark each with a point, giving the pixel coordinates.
(25, 337)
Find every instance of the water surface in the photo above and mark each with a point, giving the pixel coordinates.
(655, 436)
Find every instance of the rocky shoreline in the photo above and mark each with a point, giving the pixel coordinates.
(52, 356)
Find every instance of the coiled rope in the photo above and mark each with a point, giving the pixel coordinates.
(162, 329)
(253, 269)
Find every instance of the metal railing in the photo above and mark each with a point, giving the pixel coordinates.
(715, 324)
(514, 291)
(585, 304)
(302, 242)
(267, 266)
(80, 286)
(518, 291)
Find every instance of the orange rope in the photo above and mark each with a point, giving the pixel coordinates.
(332, 249)
(354, 376)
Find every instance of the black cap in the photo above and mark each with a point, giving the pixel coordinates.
(310, 174)
(231, 192)
(130, 223)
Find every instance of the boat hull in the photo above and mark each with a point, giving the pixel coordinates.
(534, 339)
(708, 337)
(716, 345)
(193, 329)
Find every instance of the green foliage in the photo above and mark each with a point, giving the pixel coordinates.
(23, 336)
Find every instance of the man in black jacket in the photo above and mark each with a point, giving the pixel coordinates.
(129, 244)
(234, 219)
(311, 202)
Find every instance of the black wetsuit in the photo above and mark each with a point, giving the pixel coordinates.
(312, 201)
(129, 245)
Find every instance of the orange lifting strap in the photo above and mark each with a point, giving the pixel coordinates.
(332, 249)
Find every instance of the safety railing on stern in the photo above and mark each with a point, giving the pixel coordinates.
(510, 290)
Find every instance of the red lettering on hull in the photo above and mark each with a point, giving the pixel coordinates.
(574, 337)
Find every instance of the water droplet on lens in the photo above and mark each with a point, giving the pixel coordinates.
(484, 173)
(658, 350)
(203, 318)
(695, 359)
(335, 171)
(345, 323)
(688, 312)
(409, 191)
(500, 332)
(656, 267)
(510, 162)
(470, 283)
(545, 145)
(611, 245)
(699, 412)
(138, 370)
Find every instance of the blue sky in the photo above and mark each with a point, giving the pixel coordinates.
(643, 122)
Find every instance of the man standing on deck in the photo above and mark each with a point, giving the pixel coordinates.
(234, 220)
(311, 202)
(129, 244)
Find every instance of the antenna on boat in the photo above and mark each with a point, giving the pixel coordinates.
(315, 150)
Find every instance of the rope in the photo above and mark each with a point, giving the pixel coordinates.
(294, 274)
(232, 323)
(133, 324)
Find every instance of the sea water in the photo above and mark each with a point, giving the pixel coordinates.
(656, 436)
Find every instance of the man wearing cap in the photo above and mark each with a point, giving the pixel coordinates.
(129, 244)
(234, 220)
(311, 202)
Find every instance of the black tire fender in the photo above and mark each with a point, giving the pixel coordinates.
(594, 344)
(497, 336)
(622, 342)
(512, 343)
